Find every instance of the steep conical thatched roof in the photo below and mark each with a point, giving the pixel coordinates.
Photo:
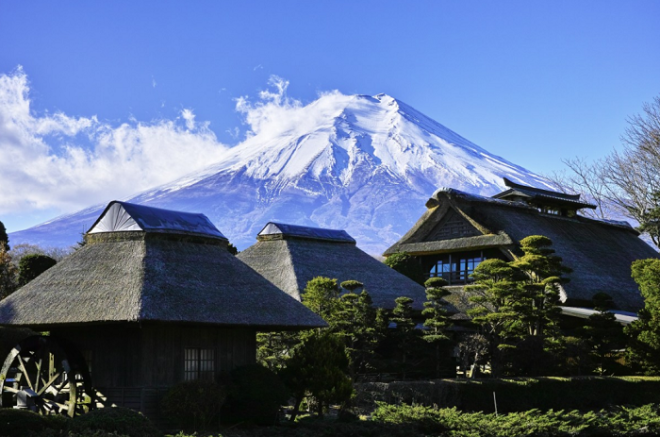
(174, 268)
(600, 253)
(289, 256)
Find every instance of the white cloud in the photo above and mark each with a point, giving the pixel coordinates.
(55, 161)
(275, 113)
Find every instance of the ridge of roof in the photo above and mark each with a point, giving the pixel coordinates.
(533, 193)
(470, 197)
(121, 216)
(308, 232)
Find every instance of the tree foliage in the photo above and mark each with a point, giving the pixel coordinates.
(604, 336)
(33, 265)
(319, 367)
(516, 306)
(644, 333)
(8, 273)
(437, 319)
(4, 238)
(407, 265)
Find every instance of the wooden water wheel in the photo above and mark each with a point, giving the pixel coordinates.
(48, 376)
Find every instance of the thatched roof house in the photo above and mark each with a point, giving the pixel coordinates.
(152, 299)
(459, 230)
(289, 256)
(147, 264)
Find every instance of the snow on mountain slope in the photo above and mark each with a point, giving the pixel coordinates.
(361, 163)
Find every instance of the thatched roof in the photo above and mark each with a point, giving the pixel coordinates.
(295, 255)
(154, 275)
(600, 253)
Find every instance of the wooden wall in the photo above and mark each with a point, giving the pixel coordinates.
(133, 365)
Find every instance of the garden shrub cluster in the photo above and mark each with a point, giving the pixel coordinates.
(105, 422)
(193, 404)
(616, 421)
(513, 395)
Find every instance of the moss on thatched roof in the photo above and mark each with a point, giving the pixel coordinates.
(291, 261)
(138, 276)
(600, 253)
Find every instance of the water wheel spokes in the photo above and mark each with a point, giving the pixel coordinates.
(47, 376)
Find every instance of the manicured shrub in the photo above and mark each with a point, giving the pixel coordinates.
(194, 404)
(118, 420)
(255, 396)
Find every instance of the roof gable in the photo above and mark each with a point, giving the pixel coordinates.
(126, 217)
(452, 225)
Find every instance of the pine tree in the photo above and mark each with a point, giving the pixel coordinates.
(644, 333)
(405, 334)
(604, 335)
(437, 320)
(319, 368)
(537, 305)
(492, 295)
(321, 295)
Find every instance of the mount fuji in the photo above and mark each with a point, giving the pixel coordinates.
(355, 162)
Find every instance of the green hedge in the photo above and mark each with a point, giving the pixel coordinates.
(519, 394)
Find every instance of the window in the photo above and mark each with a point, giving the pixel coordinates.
(198, 364)
(457, 268)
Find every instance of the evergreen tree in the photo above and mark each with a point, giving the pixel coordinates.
(644, 333)
(604, 335)
(274, 348)
(4, 238)
(8, 273)
(493, 295)
(405, 335)
(357, 322)
(537, 305)
(539, 288)
(437, 321)
(319, 368)
(232, 249)
(321, 295)
(407, 265)
(650, 219)
(31, 266)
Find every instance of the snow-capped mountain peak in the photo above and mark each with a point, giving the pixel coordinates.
(362, 163)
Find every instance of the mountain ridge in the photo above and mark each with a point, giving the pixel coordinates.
(366, 164)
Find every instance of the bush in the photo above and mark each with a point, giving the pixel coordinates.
(255, 396)
(21, 422)
(194, 404)
(118, 420)
(519, 394)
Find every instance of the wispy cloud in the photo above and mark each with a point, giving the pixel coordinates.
(275, 113)
(258, 67)
(57, 161)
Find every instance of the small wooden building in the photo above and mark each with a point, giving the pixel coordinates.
(153, 298)
(459, 230)
(289, 256)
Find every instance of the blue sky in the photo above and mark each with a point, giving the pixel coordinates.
(123, 85)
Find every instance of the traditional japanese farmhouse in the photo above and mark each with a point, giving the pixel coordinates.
(289, 256)
(459, 230)
(153, 298)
